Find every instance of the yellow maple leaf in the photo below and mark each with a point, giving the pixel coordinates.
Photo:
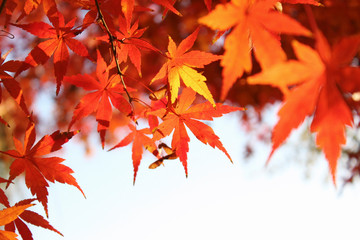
(181, 64)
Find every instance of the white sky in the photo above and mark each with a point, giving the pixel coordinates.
(218, 200)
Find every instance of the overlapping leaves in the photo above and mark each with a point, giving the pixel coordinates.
(60, 37)
(322, 77)
(139, 140)
(104, 89)
(318, 84)
(19, 215)
(254, 25)
(39, 170)
(186, 115)
(10, 84)
(181, 64)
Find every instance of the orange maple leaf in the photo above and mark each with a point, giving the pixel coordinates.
(184, 115)
(139, 140)
(254, 26)
(6, 235)
(321, 78)
(8, 215)
(38, 170)
(31, 5)
(168, 4)
(10, 84)
(27, 216)
(60, 37)
(312, 2)
(104, 89)
(181, 64)
(128, 37)
(110, 9)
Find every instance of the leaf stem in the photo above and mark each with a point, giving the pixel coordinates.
(145, 86)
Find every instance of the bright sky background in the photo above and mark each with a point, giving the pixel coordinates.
(219, 200)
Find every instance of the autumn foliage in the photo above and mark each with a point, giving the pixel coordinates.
(155, 70)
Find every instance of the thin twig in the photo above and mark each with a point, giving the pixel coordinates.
(142, 102)
(145, 86)
(7, 34)
(113, 49)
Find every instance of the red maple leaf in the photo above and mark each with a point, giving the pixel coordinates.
(10, 84)
(110, 9)
(169, 5)
(312, 2)
(8, 11)
(254, 25)
(38, 169)
(208, 4)
(8, 215)
(27, 216)
(184, 115)
(60, 38)
(321, 78)
(49, 7)
(139, 140)
(128, 37)
(104, 89)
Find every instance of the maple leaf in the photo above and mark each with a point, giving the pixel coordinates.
(208, 4)
(8, 215)
(60, 38)
(254, 26)
(321, 78)
(181, 64)
(32, 5)
(139, 140)
(38, 169)
(184, 115)
(127, 7)
(8, 10)
(312, 2)
(29, 6)
(168, 4)
(128, 37)
(10, 84)
(110, 9)
(28, 216)
(6, 235)
(103, 90)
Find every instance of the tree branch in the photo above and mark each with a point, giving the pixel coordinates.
(113, 49)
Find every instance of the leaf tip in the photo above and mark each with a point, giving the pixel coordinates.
(270, 155)
(333, 175)
(57, 89)
(334, 180)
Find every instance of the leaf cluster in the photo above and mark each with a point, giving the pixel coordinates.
(158, 69)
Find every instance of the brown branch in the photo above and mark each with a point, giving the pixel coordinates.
(113, 49)
(112, 40)
(145, 86)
